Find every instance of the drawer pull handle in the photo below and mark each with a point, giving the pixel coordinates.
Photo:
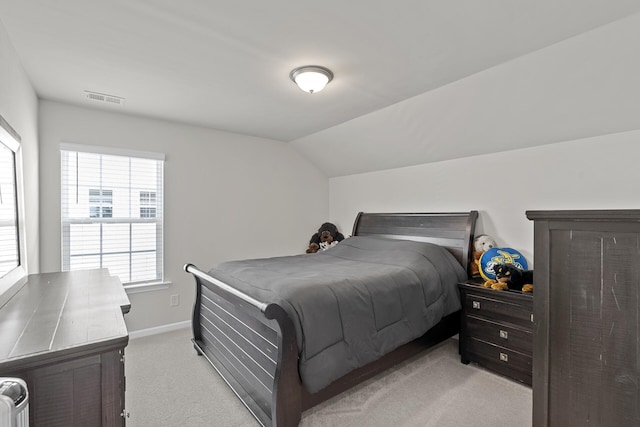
(475, 304)
(504, 357)
(504, 334)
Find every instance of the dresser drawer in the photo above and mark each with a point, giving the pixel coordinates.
(502, 309)
(517, 339)
(507, 362)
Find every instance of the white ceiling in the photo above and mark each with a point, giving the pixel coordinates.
(225, 64)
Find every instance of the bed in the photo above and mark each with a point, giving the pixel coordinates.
(270, 330)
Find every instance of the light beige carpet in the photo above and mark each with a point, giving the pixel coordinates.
(169, 385)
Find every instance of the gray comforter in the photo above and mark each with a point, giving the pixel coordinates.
(354, 302)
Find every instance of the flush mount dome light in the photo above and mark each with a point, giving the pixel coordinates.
(311, 78)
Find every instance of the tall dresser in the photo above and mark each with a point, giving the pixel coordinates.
(586, 318)
(65, 335)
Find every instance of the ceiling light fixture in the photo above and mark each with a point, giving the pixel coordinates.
(311, 78)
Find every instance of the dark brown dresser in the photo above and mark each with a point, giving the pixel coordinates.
(586, 369)
(64, 334)
(496, 330)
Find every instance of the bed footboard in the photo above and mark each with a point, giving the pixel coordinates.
(252, 345)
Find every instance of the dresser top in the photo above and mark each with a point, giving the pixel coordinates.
(587, 215)
(58, 314)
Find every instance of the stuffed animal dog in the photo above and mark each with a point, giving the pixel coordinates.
(326, 237)
(508, 276)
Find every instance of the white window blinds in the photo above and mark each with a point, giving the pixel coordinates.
(112, 212)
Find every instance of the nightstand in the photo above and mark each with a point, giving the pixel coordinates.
(496, 330)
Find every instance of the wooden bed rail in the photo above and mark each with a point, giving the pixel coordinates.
(451, 230)
(190, 268)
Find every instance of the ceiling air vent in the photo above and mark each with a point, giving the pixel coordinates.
(103, 97)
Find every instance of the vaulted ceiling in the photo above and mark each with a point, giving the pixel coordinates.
(226, 64)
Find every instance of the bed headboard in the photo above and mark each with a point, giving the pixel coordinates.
(453, 231)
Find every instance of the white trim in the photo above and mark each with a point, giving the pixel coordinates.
(111, 151)
(8, 139)
(159, 329)
(117, 220)
(13, 280)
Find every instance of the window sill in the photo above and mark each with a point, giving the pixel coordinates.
(146, 287)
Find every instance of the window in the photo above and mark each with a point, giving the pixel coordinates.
(9, 243)
(112, 212)
(12, 243)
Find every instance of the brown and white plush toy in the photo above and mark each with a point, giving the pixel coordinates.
(326, 237)
(481, 244)
(508, 276)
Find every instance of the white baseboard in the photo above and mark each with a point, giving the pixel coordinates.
(159, 329)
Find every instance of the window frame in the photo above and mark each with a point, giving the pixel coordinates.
(13, 222)
(14, 279)
(67, 222)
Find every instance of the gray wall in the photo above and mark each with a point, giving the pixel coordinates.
(575, 105)
(19, 106)
(227, 196)
(593, 173)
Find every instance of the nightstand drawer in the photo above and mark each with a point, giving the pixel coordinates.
(520, 340)
(480, 306)
(499, 359)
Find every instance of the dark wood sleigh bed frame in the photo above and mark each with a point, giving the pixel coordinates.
(252, 344)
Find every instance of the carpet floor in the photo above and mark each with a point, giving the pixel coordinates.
(169, 385)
